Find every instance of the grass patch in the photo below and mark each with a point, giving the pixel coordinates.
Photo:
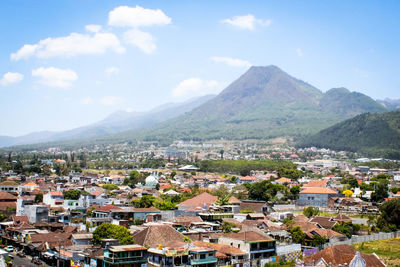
(388, 250)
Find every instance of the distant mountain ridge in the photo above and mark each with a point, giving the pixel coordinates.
(265, 102)
(391, 104)
(371, 134)
(116, 122)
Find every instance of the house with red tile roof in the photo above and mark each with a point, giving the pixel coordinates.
(7, 200)
(226, 254)
(283, 180)
(316, 196)
(257, 244)
(341, 255)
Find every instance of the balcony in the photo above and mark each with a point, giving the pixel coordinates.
(125, 260)
(203, 261)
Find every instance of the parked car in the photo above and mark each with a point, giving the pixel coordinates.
(9, 249)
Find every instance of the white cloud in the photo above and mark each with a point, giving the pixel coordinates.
(247, 22)
(197, 87)
(125, 16)
(54, 77)
(143, 40)
(234, 62)
(111, 70)
(86, 101)
(93, 28)
(110, 100)
(299, 52)
(71, 45)
(11, 78)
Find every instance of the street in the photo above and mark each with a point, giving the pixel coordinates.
(18, 261)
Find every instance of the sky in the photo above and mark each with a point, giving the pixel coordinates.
(68, 63)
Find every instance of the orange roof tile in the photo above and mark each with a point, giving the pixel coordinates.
(318, 190)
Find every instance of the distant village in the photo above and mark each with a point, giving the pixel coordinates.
(148, 205)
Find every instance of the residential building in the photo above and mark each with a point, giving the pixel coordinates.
(341, 255)
(9, 186)
(125, 256)
(258, 245)
(316, 196)
(54, 198)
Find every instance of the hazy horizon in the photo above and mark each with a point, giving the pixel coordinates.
(71, 64)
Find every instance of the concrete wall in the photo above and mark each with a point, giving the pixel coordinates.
(282, 250)
(365, 238)
(319, 200)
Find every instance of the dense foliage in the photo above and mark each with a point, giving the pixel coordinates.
(108, 230)
(310, 211)
(72, 194)
(370, 134)
(243, 167)
(389, 219)
(266, 191)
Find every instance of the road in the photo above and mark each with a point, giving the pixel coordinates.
(18, 261)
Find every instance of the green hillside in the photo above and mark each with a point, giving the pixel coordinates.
(265, 102)
(370, 134)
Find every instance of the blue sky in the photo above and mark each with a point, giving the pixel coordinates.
(58, 73)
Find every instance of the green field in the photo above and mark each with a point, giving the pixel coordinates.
(388, 250)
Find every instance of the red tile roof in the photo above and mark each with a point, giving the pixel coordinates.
(318, 190)
(223, 251)
(249, 236)
(342, 255)
(56, 193)
(283, 180)
(155, 235)
(316, 183)
(7, 196)
(199, 201)
(108, 208)
(151, 209)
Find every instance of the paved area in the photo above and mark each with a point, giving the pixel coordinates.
(26, 261)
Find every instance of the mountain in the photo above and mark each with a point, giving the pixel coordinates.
(265, 102)
(391, 104)
(371, 134)
(345, 103)
(116, 122)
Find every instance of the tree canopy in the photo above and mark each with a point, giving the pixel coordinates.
(108, 230)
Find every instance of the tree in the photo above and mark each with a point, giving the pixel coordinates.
(110, 187)
(348, 193)
(345, 229)
(318, 241)
(39, 198)
(227, 227)
(294, 191)
(310, 211)
(46, 170)
(108, 230)
(72, 194)
(381, 191)
(298, 236)
(145, 201)
(390, 215)
(224, 200)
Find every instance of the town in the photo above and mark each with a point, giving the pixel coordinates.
(198, 204)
